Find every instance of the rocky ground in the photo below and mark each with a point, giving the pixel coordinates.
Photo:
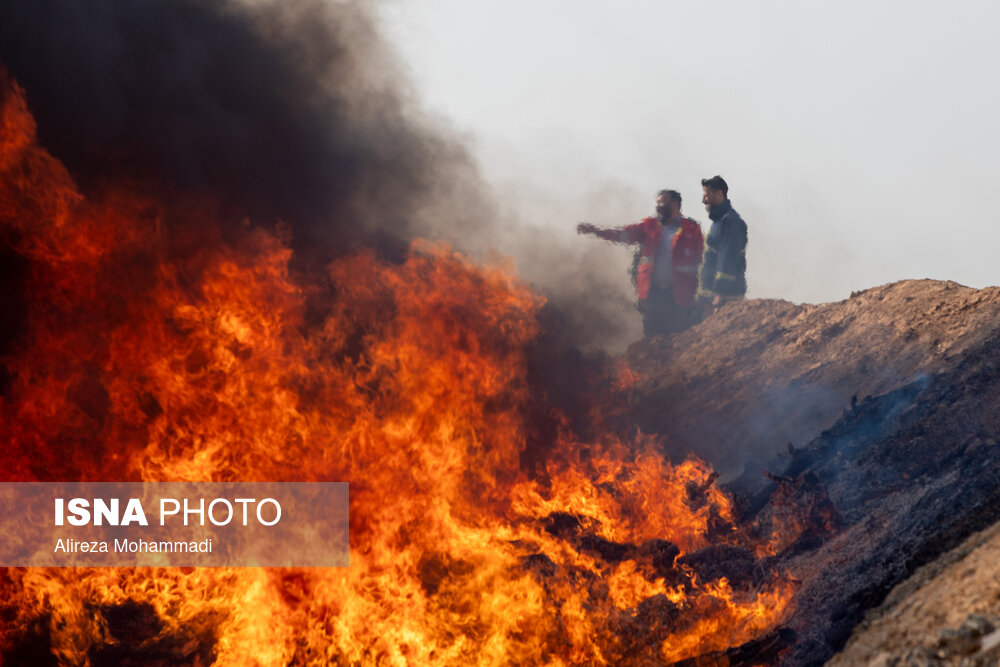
(947, 613)
(879, 418)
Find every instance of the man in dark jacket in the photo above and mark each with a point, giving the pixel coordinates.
(723, 269)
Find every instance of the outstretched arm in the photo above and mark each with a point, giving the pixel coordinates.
(629, 234)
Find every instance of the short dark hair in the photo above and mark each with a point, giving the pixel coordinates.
(716, 183)
(673, 194)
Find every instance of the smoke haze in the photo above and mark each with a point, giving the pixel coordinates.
(280, 110)
(292, 111)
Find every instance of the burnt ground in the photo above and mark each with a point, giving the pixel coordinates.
(900, 387)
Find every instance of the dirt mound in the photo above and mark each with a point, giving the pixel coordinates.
(887, 407)
(949, 611)
(761, 374)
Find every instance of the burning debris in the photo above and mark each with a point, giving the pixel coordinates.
(512, 501)
(147, 358)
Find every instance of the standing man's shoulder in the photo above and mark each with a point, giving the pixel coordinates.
(733, 220)
(644, 223)
(690, 226)
(636, 231)
(733, 214)
(737, 226)
(650, 225)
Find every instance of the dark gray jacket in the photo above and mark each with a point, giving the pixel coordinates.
(724, 268)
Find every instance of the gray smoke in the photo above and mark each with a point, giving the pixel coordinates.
(279, 110)
(293, 111)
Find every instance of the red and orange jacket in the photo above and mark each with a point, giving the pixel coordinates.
(685, 254)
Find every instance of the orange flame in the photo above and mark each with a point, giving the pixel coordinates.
(147, 360)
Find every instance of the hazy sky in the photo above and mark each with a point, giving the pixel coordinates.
(860, 140)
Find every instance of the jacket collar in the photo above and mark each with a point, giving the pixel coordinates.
(719, 211)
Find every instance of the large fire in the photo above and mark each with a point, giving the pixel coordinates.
(146, 355)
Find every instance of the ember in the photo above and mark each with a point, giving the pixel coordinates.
(146, 358)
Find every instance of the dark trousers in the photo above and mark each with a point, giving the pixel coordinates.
(662, 315)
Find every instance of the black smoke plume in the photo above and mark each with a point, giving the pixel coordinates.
(280, 110)
(298, 111)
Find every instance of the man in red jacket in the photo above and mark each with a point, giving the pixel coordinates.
(670, 249)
